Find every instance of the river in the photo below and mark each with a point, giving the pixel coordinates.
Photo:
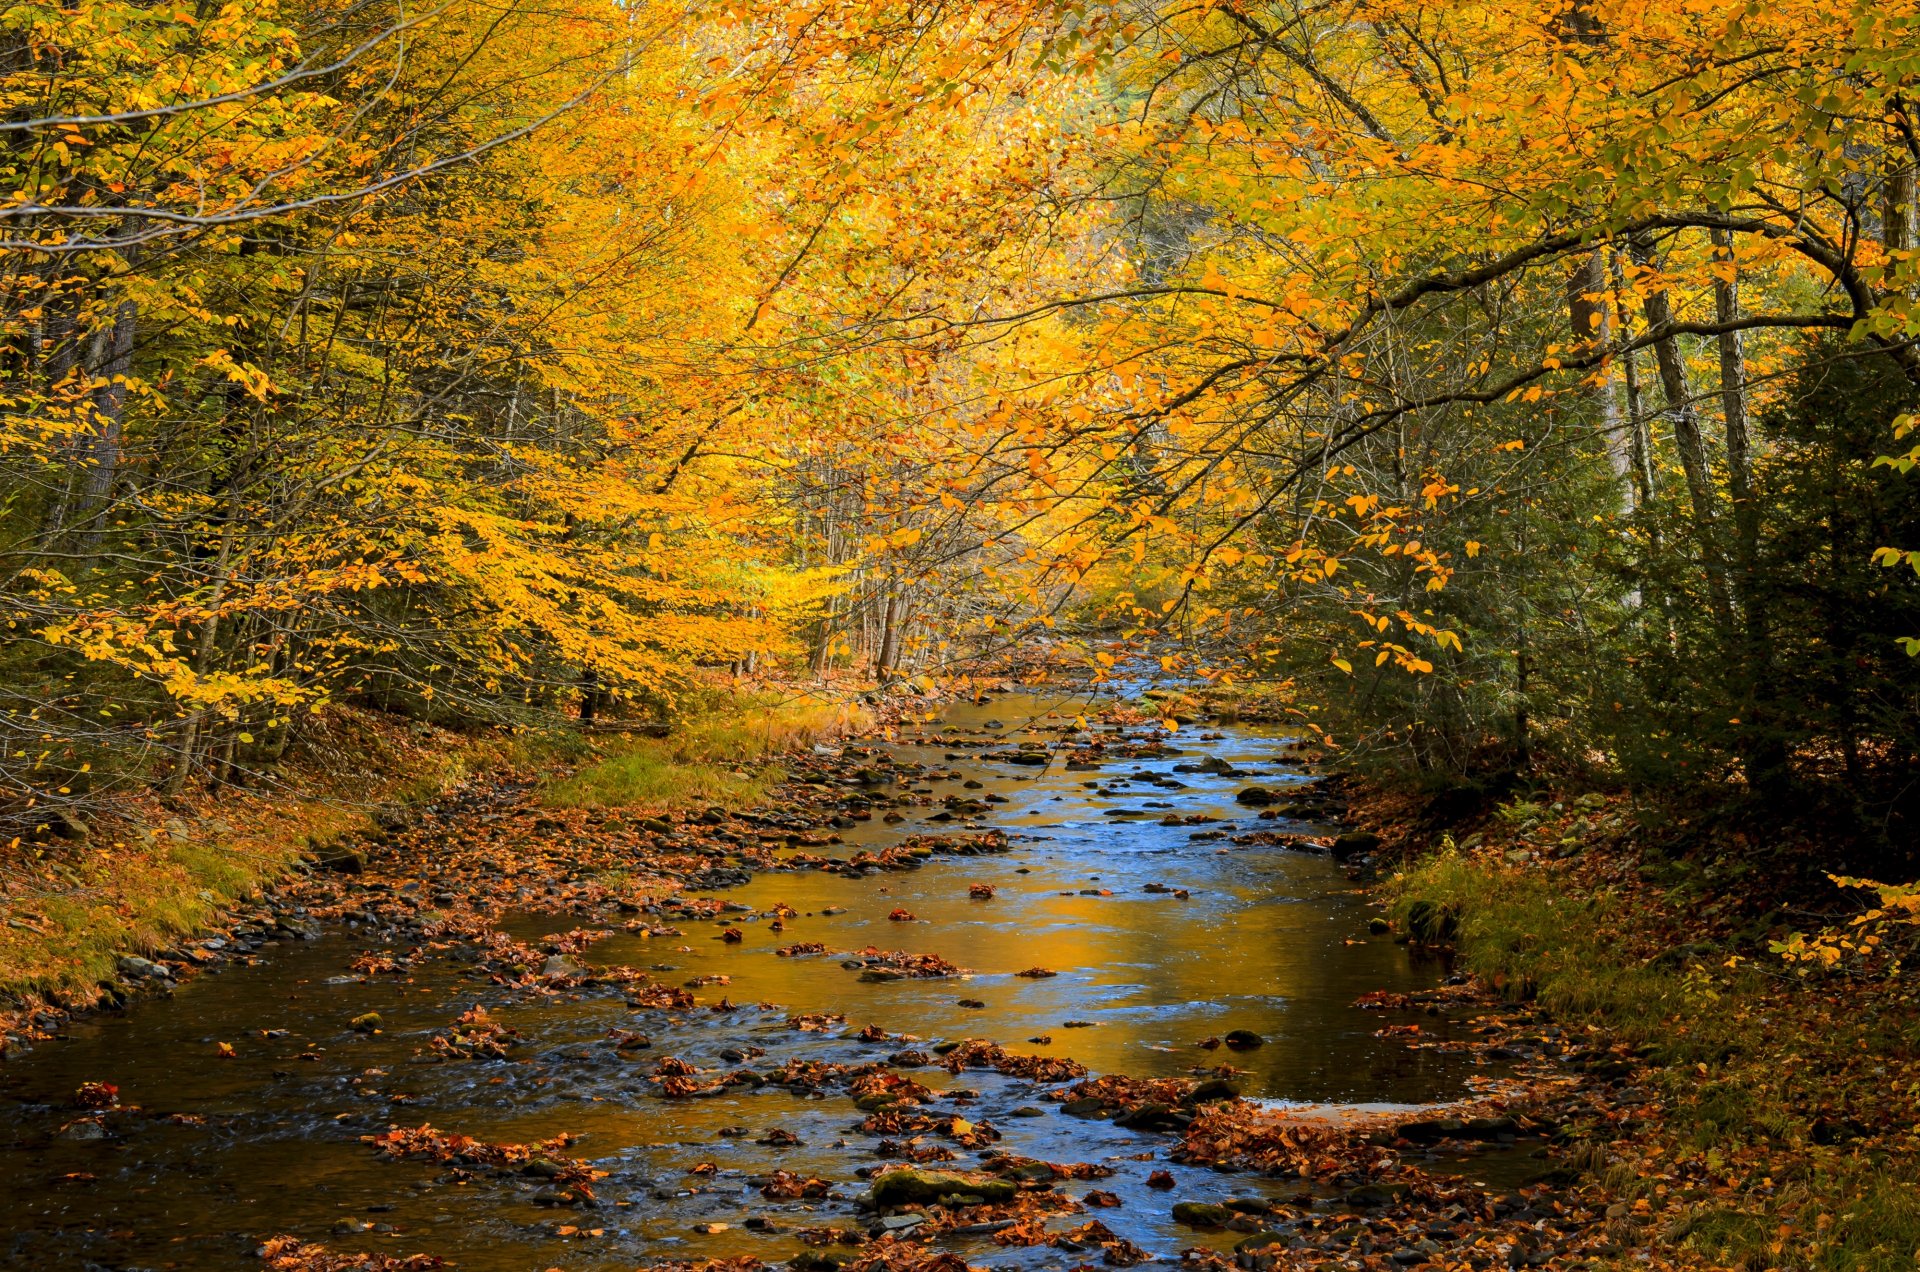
(1161, 936)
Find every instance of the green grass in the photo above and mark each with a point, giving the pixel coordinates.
(1525, 931)
(728, 755)
(137, 899)
(1749, 1060)
(648, 775)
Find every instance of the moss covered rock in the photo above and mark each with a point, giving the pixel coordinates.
(920, 1187)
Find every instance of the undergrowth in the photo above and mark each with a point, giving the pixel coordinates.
(151, 873)
(727, 754)
(1788, 1135)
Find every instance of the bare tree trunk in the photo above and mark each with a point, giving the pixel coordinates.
(822, 658)
(113, 360)
(1639, 444)
(589, 696)
(60, 361)
(203, 656)
(1591, 313)
(1762, 753)
(1692, 446)
(1733, 403)
(889, 636)
(1897, 212)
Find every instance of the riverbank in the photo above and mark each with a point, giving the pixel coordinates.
(86, 917)
(98, 919)
(1775, 1115)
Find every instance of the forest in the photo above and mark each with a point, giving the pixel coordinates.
(670, 416)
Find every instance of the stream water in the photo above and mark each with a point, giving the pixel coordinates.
(227, 1151)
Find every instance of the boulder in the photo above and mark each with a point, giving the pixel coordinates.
(1211, 1090)
(1154, 1117)
(347, 861)
(1355, 843)
(133, 967)
(1427, 1131)
(65, 823)
(1368, 1195)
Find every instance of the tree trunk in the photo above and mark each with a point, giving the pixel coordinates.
(1591, 314)
(1733, 404)
(1897, 203)
(589, 696)
(1639, 444)
(889, 637)
(1691, 445)
(1762, 752)
(113, 363)
(203, 656)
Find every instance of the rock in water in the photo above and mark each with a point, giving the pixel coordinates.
(1428, 1131)
(136, 968)
(1353, 844)
(1210, 1090)
(919, 1187)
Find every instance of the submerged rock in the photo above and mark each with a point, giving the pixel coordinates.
(81, 1131)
